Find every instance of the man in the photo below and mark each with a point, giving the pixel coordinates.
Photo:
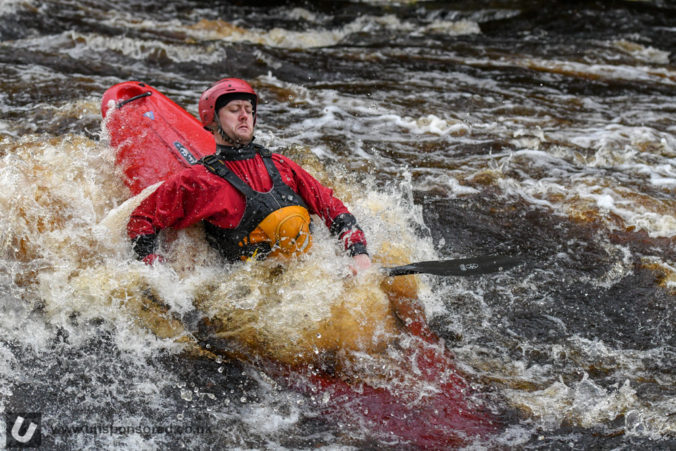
(253, 203)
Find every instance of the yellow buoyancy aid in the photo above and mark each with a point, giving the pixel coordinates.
(287, 230)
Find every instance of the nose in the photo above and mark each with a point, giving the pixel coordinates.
(244, 114)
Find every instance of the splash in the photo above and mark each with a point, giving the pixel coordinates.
(64, 240)
(584, 402)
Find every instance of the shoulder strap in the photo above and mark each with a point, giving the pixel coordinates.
(264, 152)
(273, 172)
(218, 167)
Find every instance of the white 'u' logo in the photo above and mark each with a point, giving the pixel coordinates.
(28, 435)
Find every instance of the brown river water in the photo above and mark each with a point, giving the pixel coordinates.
(451, 129)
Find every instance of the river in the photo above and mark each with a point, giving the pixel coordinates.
(452, 129)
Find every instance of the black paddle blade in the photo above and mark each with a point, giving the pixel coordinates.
(460, 267)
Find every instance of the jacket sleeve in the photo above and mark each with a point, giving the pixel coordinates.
(179, 202)
(321, 201)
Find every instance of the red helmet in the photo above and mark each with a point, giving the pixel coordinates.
(207, 105)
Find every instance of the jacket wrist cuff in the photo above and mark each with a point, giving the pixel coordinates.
(342, 223)
(356, 249)
(144, 245)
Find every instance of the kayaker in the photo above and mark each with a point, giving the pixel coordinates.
(253, 203)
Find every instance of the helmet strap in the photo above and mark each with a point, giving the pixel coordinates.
(227, 138)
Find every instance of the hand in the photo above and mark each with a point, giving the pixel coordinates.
(360, 262)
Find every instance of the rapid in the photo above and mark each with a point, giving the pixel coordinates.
(450, 129)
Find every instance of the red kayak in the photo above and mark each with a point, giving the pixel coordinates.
(423, 402)
(153, 137)
(435, 411)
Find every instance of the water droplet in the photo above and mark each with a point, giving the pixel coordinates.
(186, 394)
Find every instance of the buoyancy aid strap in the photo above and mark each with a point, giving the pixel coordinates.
(216, 165)
(262, 151)
(276, 178)
(266, 156)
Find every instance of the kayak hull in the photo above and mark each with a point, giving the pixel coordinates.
(153, 136)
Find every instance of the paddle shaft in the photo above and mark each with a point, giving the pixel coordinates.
(459, 267)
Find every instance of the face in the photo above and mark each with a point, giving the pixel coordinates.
(237, 121)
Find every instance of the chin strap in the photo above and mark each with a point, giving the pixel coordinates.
(236, 143)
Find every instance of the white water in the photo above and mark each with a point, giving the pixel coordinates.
(602, 159)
